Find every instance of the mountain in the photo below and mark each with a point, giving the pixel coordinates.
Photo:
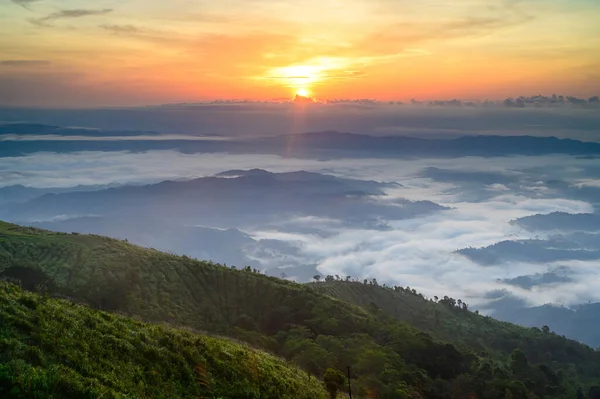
(214, 217)
(581, 322)
(19, 193)
(40, 130)
(560, 221)
(235, 198)
(534, 251)
(397, 344)
(57, 349)
(322, 144)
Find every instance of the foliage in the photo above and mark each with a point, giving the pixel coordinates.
(399, 344)
(445, 320)
(56, 349)
(334, 381)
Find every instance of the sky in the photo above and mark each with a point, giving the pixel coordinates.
(75, 53)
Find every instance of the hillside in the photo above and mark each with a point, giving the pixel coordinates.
(450, 350)
(57, 349)
(449, 319)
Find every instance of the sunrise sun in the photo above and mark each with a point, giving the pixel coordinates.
(303, 92)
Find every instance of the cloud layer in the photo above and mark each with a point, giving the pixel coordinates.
(483, 196)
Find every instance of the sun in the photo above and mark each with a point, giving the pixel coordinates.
(303, 92)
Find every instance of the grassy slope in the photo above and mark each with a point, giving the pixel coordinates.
(55, 348)
(114, 275)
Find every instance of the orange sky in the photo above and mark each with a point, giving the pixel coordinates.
(115, 52)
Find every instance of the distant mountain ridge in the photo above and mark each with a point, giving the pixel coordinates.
(40, 129)
(326, 144)
(248, 198)
(20, 193)
(581, 322)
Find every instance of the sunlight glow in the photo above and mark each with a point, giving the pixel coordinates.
(298, 76)
(303, 92)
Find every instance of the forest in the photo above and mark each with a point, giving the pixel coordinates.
(392, 341)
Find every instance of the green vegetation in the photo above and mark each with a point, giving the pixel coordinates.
(450, 320)
(334, 382)
(398, 344)
(53, 348)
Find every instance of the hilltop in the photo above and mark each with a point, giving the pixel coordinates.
(397, 343)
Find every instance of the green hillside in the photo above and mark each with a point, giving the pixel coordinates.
(397, 346)
(449, 319)
(53, 348)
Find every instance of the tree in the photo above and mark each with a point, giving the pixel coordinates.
(334, 381)
(519, 362)
(594, 392)
(546, 329)
(317, 277)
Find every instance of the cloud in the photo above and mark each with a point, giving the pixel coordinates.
(127, 29)
(155, 36)
(419, 252)
(69, 14)
(25, 3)
(25, 63)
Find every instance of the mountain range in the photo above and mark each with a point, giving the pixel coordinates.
(320, 145)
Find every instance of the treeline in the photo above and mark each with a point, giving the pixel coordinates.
(451, 302)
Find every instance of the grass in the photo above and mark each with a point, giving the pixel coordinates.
(52, 348)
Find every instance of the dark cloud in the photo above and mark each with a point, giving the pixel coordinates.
(71, 13)
(25, 3)
(141, 33)
(127, 29)
(25, 62)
